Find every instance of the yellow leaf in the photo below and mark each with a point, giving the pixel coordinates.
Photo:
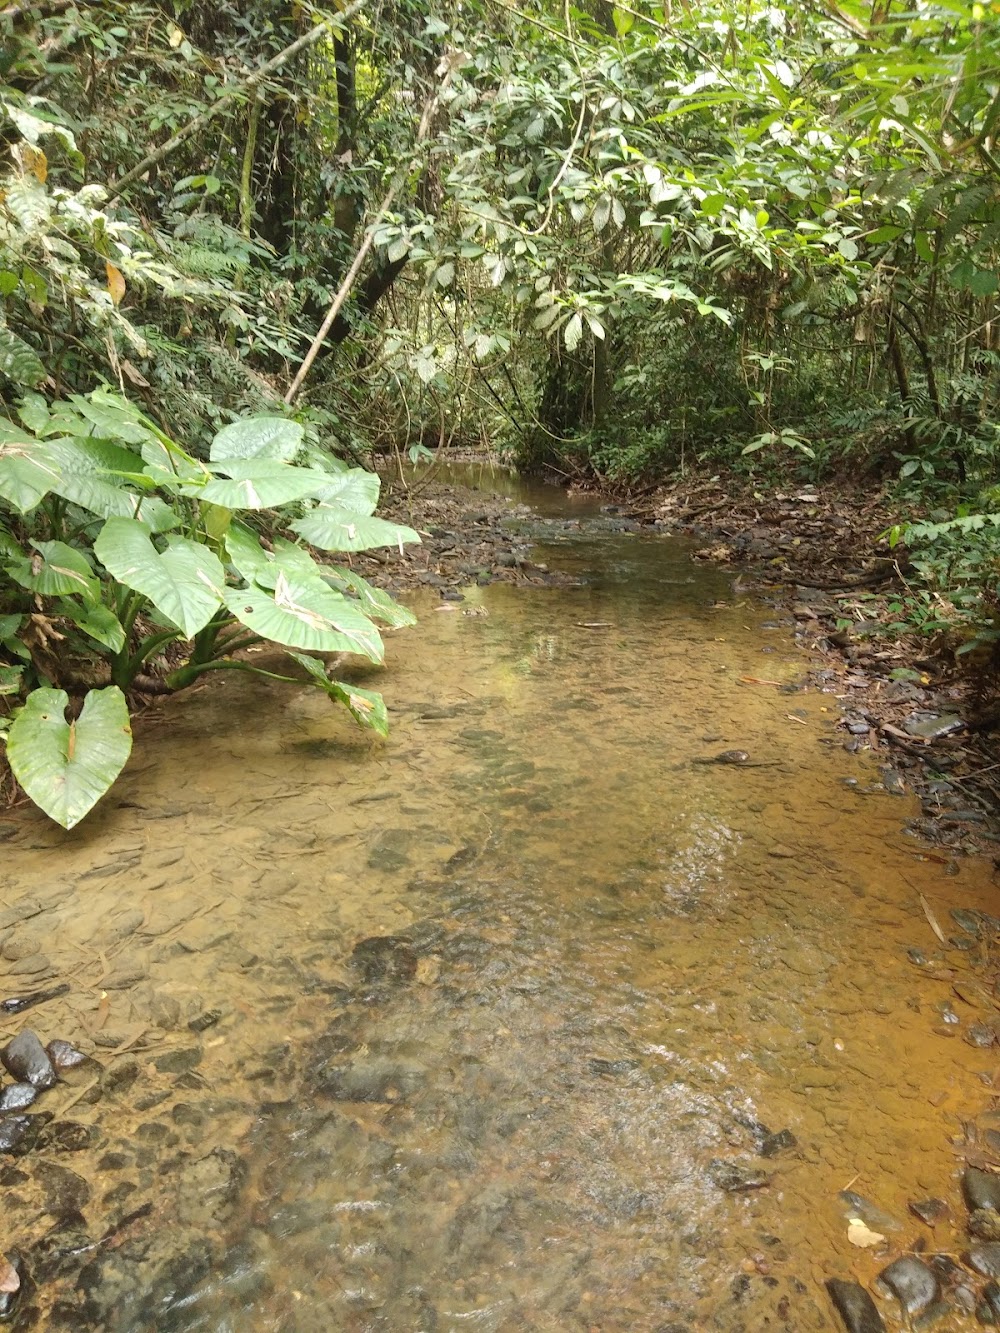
(34, 162)
(861, 1236)
(116, 282)
(176, 35)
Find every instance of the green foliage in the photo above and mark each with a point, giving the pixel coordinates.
(121, 548)
(66, 767)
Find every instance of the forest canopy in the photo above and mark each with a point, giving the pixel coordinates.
(609, 239)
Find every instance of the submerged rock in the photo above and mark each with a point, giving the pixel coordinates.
(984, 1224)
(371, 1080)
(385, 958)
(726, 757)
(968, 921)
(773, 1144)
(981, 1189)
(64, 1055)
(930, 1211)
(26, 1058)
(856, 1205)
(734, 1177)
(991, 1304)
(985, 1259)
(911, 1282)
(17, 1097)
(855, 1307)
(18, 1133)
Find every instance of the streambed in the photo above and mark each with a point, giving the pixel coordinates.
(527, 1019)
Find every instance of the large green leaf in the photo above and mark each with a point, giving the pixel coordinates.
(89, 472)
(97, 622)
(66, 767)
(258, 483)
(333, 528)
(258, 437)
(247, 556)
(262, 567)
(367, 707)
(305, 613)
(106, 415)
(357, 490)
(185, 583)
(374, 601)
(18, 361)
(55, 570)
(10, 679)
(26, 474)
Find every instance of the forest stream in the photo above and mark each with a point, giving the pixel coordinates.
(533, 1018)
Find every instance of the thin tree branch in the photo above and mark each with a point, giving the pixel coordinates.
(237, 90)
(350, 277)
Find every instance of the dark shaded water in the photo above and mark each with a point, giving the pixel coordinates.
(613, 971)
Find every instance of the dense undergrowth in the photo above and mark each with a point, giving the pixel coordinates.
(609, 241)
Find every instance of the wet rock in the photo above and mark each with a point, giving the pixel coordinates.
(371, 1080)
(18, 1133)
(985, 1259)
(777, 1143)
(64, 1055)
(911, 1282)
(980, 1035)
(981, 1189)
(17, 1097)
(16, 1004)
(734, 1177)
(855, 1307)
(180, 1061)
(984, 1224)
(930, 727)
(966, 920)
(856, 1205)
(385, 959)
(14, 1272)
(930, 1211)
(68, 1136)
(64, 1191)
(28, 1061)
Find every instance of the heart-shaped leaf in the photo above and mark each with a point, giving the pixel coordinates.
(258, 483)
(66, 767)
(304, 613)
(331, 527)
(185, 583)
(258, 437)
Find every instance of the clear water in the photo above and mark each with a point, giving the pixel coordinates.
(617, 968)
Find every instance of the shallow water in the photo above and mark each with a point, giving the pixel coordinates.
(616, 970)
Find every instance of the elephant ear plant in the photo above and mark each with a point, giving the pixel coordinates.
(116, 543)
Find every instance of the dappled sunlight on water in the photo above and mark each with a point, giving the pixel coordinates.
(614, 972)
